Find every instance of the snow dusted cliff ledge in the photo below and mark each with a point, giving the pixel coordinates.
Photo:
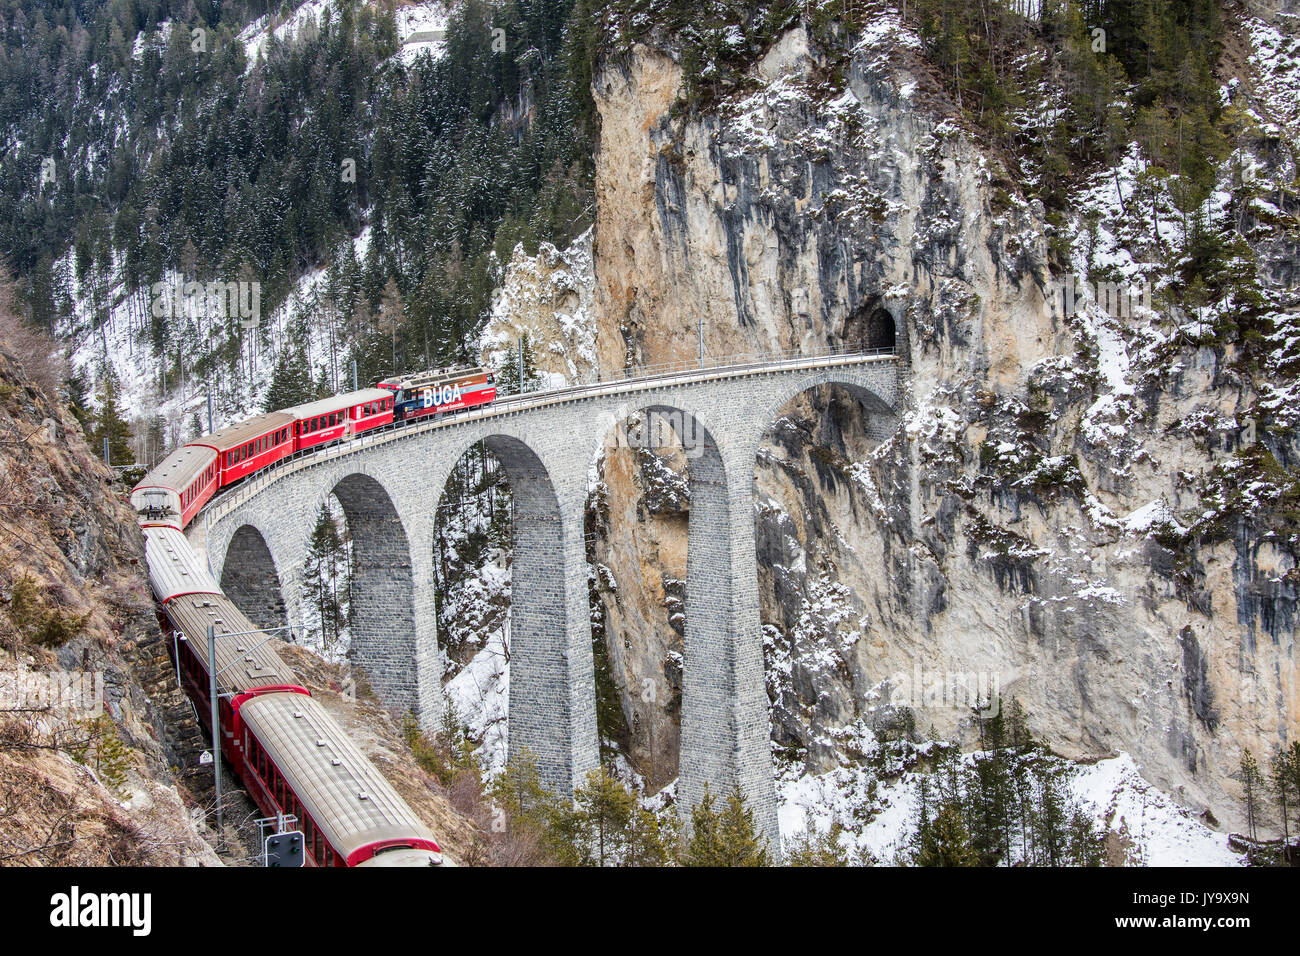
(983, 533)
(547, 297)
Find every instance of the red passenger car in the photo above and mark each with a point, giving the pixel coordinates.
(172, 493)
(340, 417)
(249, 446)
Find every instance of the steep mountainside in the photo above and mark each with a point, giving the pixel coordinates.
(99, 749)
(94, 782)
(1093, 513)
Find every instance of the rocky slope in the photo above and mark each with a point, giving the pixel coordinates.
(99, 749)
(95, 782)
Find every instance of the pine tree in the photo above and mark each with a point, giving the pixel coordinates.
(814, 847)
(509, 380)
(1050, 820)
(1251, 785)
(650, 839)
(704, 847)
(77, 391)
(1285, 782)
(603, 813)
(992, 791)
(109, 424)
(724, 838)
(156, 439)
(392, 315)
(522, 804)
(945, 841)
(741, 845)
(324, 576)
(291, 382)
(1084, 845)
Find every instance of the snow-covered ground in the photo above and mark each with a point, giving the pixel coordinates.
(123, 343)
(422, 29)
(301, 21)
(1113, 792)
(481, 695)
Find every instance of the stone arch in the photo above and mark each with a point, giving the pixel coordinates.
(383, 621)
(882, 418)
(723, 700)
(551, 709)
(249, 578)
(816, 484)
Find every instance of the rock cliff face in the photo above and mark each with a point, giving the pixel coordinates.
(92, 730)
(1044, 517)
(548, 297)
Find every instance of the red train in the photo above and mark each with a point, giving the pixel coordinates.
(174, 491)
(291, 756)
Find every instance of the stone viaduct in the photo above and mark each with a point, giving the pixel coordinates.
(389, 484)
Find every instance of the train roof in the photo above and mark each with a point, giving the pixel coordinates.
(236, 435)
(347, 797)
(174, 568)
(178, 469)
(336, 402)
(433, 376)
(247, 662)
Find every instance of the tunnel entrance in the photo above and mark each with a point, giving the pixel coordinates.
(870, 328)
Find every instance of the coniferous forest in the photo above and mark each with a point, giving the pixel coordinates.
(200, 163)
(142, 145)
